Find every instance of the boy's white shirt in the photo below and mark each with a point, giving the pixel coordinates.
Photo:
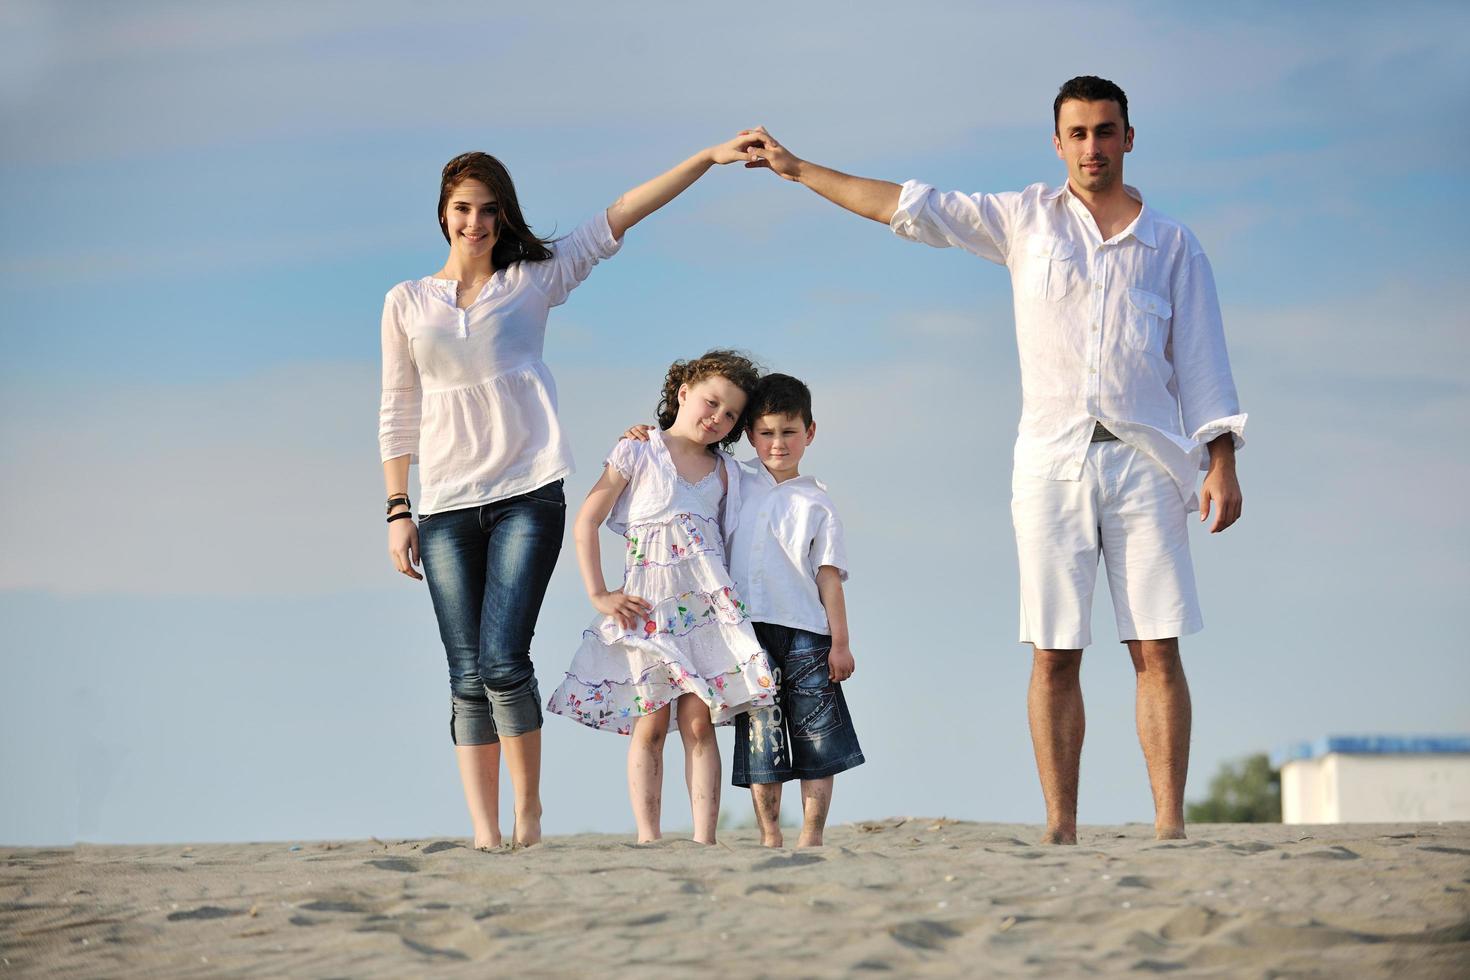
(785, 532)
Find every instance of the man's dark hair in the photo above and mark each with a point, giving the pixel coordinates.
(781, 394)
(1088, 88)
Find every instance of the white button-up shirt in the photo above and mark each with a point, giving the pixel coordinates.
(1125, 331)
(465, 392)
(786, 532)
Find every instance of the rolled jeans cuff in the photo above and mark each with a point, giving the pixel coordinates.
(511, 711)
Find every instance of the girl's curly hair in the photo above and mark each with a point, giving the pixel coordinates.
(734, 367)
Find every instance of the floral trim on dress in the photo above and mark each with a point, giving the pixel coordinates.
(683, 537)
(606, 705)
(688, 611)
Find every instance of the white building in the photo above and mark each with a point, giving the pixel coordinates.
(1375, 779)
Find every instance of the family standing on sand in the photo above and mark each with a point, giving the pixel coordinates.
(732, 608)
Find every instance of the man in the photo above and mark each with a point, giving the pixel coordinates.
(1127, 393)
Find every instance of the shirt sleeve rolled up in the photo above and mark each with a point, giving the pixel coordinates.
(1208, 403)
(401, 407)
(977, 223)
(573, 257)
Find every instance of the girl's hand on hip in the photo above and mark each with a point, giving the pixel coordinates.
(628, 610)
(403, 547)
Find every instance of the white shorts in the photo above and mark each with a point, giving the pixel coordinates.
(1127, 508)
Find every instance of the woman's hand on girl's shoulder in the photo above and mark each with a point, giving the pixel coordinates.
(403, 547)
(628, 610)
(638, 432)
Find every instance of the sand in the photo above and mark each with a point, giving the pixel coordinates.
(899, 897)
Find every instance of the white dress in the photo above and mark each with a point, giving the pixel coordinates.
(697, 639)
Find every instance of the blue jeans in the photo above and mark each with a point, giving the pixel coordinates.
(487, 569)
(808, 732)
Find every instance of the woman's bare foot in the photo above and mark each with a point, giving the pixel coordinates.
(527, 828)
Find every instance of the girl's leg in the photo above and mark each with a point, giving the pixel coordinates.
(646, 772)
(701, 766)
(816, 799)
(479, 770)
(524, 536)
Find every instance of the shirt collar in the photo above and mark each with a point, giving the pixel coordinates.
(1142, 227)
(804, 480)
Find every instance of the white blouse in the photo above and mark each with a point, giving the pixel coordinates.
(649, 495)
(465, 392)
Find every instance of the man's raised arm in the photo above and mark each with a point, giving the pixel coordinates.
(876, 199)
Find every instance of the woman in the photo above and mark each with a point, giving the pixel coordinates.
(466, 394)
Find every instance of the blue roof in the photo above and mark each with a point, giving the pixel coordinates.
(1372, 745)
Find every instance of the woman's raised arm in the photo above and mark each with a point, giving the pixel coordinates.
(635, 205)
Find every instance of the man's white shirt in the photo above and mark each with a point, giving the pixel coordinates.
(1125, 331)
(785, 533)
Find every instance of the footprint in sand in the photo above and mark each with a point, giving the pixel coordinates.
(443, 845)
(794, 861)
(924, 934)
(327, 905)
(394, 864)
(204, 912)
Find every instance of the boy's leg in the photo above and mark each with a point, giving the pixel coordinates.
(766, 798)
(816, 799)
(646, 772)
(701, 766)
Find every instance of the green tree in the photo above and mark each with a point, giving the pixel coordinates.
(1247, 791)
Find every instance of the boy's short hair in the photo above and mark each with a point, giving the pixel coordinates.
(781, 394)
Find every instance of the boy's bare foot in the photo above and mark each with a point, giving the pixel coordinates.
(1169, 833)
(1058, 836)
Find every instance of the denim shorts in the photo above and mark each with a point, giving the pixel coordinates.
(488, 568)
(807, 733)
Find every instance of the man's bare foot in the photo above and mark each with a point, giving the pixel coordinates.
(809, 840)
(1058, 836)
(773, 840)
(1169, 833)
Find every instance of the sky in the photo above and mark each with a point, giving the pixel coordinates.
(202, 205)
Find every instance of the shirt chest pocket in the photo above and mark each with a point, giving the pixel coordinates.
(1050, 271)
(1146, 321)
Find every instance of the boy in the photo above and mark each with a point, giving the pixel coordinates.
(788, 563)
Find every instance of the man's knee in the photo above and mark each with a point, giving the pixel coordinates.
(1157, 659)
(1063, 667)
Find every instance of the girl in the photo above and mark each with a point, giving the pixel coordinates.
(466, 394)
(674, 639)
